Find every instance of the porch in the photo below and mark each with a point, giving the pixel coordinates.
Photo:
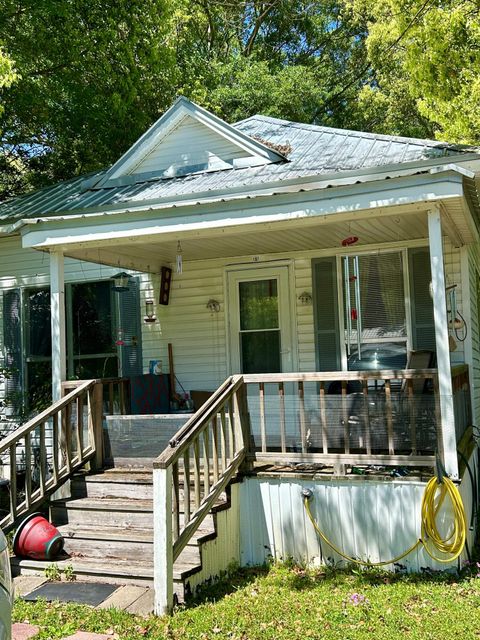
(285, 426)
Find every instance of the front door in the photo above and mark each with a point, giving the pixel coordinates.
(260, 320)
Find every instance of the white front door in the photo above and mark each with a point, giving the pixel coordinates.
(259, 311)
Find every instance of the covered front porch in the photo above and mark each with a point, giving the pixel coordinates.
(364, 392)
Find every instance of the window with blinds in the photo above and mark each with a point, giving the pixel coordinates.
(372, 308)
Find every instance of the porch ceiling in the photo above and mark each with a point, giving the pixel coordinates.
(149, 254)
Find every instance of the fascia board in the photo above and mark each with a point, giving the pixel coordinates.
(275, 188)
(368, 198)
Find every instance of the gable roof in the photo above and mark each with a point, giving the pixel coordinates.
(316, 153)
(186, 139)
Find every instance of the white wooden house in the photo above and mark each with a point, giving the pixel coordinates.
(332, 273)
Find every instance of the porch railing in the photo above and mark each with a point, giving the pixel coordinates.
(199, 463)
(53, 445)
(364, 417)
(42, 454)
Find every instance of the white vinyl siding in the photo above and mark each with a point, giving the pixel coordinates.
(199, 336)
(190, 143)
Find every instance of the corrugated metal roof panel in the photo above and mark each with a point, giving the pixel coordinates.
(316, 151)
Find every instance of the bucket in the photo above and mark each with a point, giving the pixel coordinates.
(38, 539)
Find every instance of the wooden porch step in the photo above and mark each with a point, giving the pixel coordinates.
(107, 525)
(115, 542)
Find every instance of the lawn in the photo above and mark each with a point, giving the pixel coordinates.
(289, 603)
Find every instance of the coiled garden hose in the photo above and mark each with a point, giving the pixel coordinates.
(431, 539)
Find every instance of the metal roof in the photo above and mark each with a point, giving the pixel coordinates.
(316, 152)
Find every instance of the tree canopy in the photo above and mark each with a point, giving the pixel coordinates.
(80, 80)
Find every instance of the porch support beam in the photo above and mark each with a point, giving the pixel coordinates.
(162, 541)
(57, 303)
(447, 419)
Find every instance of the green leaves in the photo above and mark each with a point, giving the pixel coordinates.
(431, 48)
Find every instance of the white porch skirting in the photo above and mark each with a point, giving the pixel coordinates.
(368, 518)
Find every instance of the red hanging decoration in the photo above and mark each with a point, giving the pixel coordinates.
(354, 314)
(346, 242)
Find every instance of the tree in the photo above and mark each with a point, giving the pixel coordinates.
(429, 51)
(91, 76)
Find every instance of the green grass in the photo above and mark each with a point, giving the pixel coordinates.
(292, 604)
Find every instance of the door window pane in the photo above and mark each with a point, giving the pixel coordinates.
(38, 331)
(258, 304)
(260, 351)
(92, 318)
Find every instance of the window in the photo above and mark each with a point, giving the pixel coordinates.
(94, 313)
(365, 295)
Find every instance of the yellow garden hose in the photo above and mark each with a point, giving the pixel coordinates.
(431, 538)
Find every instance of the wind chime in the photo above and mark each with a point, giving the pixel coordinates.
(179, 258)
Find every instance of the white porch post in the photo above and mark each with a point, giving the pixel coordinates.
(447, 418)
(162, 540)
(57, 303)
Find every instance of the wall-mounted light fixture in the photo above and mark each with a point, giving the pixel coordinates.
(121, 281)
(149, 311)
(213, 305)
(305, 298)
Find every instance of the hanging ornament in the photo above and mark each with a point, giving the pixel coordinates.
(346, 242)
(179, 258)
(120, 341)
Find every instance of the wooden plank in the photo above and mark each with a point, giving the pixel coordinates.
(215, 452)
(67, 420)
(231, 429)
(281, 397)
(301, 400)
(43, 460)
(323, 417)
(79, 426)
(28, 471)
(388, 406)
(366, 408)
(186, 486)
(330, 376)
(263, 435)
(56, 442)
(171, 367)
(111, 398)
(223, 438)
(412, 416)
(196, 472)
(162, 540)
(346, 426)
(176, 501)
(13, 481)
(276, 458)
(206, 462)
(97, 423)
(121, 392)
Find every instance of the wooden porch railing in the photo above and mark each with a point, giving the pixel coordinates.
(44, 452)
(54, 444)
(199, 463)
(356, 417)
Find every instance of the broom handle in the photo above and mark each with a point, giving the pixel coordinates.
(172, 370)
